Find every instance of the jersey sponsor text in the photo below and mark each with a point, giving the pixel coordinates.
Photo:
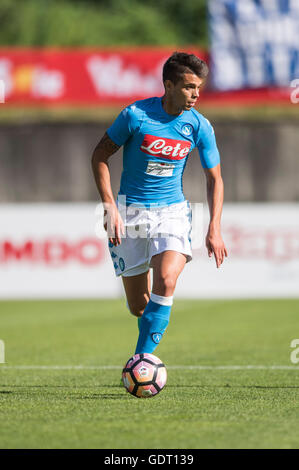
(165, 148)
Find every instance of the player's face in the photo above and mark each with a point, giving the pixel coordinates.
(185, 92)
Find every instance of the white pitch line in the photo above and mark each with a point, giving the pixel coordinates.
(177, 367)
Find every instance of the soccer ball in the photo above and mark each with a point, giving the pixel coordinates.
(144, 375)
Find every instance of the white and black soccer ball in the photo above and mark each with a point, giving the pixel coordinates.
(144, 375)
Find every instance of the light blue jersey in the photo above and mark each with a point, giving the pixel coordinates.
(156, 149)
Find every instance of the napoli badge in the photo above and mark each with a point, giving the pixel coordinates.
(121, 264)
(187, 129)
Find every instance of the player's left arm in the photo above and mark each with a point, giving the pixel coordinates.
(215, 192)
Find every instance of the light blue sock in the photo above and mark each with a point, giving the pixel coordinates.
(153, 323)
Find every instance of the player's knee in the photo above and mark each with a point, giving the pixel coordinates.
(166, 284)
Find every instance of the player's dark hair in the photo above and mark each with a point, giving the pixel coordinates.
(181, 62)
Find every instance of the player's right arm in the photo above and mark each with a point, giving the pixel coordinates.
(116, 136)
(113, 224)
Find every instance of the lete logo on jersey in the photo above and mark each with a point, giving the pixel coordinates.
(165, 148)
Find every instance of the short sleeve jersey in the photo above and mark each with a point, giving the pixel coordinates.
(156, 149)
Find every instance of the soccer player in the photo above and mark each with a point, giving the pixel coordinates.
(150, 223)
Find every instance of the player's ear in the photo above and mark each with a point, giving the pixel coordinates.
(168, 85)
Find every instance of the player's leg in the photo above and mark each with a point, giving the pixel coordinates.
(167, 267)
(137, 289)
(131, 263)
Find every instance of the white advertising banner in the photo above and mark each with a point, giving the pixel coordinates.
(51, 251)
(263, 255)
(60, 251)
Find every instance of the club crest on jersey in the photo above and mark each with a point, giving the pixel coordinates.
(187, 129)
(162, 147)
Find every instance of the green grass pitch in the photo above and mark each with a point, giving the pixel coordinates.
(65, 407)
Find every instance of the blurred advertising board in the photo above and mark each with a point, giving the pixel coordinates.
(85, 77)
(51, 250)
(254, 43)
(82, 76)
(60, 251)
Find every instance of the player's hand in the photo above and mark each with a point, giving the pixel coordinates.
(113, 224)
(214, 244)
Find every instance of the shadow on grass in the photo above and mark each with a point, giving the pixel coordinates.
(121, 387)
(99, 396)
(93, 396)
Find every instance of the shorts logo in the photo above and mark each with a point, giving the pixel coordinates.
(121, 264)
(161, 147)
(156, 337)
(187, 129)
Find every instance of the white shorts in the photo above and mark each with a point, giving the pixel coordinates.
(149, 232)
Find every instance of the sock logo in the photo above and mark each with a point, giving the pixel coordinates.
(156, 337)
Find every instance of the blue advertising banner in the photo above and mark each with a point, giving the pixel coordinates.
(254, 43)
